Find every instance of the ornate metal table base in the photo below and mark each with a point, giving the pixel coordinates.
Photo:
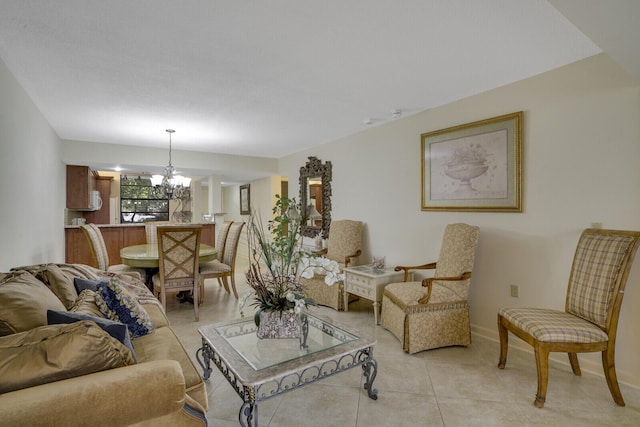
(253, 394)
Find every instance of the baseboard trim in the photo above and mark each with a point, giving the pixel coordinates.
(586, 365)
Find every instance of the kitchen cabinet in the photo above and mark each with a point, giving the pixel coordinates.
(207, 235)
(80, 184)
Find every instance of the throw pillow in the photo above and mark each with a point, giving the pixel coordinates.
(24, 301)
(82, 284)
(57, 352)
(116, 329)
(59, 283)
(118, 305)
(86, 303)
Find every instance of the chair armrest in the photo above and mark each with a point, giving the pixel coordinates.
(348, 257)
(406, 269)
(428, 283)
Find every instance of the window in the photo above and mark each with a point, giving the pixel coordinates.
(140, 201)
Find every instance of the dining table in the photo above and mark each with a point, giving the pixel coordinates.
(146, 255)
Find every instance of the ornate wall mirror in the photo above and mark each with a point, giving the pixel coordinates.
(315, 198)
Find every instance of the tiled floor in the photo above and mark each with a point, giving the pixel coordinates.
(445, 387)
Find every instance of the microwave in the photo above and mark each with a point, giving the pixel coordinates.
(95, 201)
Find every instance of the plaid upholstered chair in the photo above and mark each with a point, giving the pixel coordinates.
(434, 312)
(225, 269)
(101, 257)
(344, 246)
(212, 268)
(178, 250)
(598, 277)
(151, 230)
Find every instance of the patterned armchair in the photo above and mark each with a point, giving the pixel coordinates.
(589, 323)
(344, 246)
(435, 312)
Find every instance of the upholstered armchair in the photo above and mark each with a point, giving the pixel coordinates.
(344, 247)
(435, 312)
(589, 322)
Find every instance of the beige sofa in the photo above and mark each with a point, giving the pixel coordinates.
(77, 373)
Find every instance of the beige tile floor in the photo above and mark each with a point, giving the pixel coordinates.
(445, 387)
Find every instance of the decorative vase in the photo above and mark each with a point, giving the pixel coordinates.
(279, 324)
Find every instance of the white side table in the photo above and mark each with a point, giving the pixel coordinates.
(367, 282)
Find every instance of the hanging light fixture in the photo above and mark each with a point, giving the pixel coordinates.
(170, 182)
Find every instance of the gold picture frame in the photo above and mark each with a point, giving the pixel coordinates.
(474, 167)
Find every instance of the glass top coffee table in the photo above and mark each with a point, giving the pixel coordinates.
(261, 369)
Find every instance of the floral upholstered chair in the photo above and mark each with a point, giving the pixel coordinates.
(435, 312)
(589, 322)
(344, 246)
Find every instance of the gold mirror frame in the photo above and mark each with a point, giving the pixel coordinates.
(316, 169)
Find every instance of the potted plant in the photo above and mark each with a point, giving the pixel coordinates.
(277, 261)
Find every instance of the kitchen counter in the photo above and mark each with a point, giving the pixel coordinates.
(136, 224)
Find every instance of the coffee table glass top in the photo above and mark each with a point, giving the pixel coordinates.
(265, 353)
(370, 271)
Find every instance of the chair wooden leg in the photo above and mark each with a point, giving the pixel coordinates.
(542, 365)
(225, 283)
(233, 285)
(163, 299)
(575, 365)
(609, 366)
(504, 342)
(196, 297)
(201, 286)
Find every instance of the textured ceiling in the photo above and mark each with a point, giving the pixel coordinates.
(269, 78)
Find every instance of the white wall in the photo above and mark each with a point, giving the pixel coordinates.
(581, 165)
(32, 181)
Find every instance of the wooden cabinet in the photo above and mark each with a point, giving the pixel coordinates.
(80, 184)
(208, 234)
(78, 251)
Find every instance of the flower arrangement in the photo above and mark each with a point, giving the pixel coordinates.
(277, 261)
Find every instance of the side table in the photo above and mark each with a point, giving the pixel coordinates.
(368, 282)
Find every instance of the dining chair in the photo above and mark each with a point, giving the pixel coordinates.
(101, 257)
(224, 268)
(178, 251)
(220, 242)
(151, 230)
(589, 321)
(344, 247)
(434, 312)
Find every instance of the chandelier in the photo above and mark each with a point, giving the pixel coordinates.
(170, 183)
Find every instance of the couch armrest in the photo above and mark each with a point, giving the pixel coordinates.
(116, 397)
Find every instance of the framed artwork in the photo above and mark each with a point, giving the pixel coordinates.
(245, 200)
(474, 167)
